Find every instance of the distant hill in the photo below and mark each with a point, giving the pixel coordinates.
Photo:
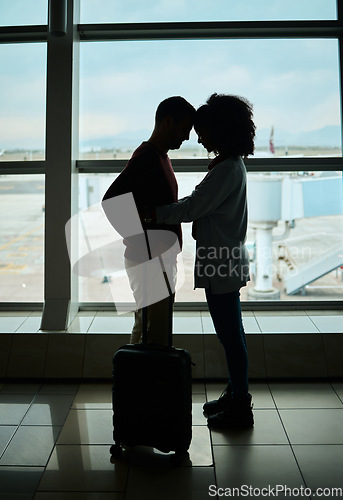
(329, 136)
(123, 140)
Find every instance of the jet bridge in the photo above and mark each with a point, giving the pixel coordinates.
(276, 197)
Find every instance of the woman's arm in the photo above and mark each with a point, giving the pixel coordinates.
(206, 197)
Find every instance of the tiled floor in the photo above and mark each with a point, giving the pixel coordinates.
(298, 321)
(55, 439)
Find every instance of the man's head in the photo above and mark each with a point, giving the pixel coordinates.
(173, 121)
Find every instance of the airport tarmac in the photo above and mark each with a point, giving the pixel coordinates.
(22, 252)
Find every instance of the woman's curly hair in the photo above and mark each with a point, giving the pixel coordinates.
(229, 121)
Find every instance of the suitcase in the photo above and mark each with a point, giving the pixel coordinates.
(152, 395)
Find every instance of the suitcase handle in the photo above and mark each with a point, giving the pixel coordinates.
(145, 309)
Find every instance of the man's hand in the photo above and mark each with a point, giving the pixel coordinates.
(147, 215)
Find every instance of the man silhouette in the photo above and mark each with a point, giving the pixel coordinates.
(149, 176)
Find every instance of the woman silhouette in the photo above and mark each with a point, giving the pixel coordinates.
(218, 207)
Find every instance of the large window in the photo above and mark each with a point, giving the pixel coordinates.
(22, 12)
(294, 239)
(22, 91)
(285, 57)
(293, 85)
(21, 238)
(135, 11)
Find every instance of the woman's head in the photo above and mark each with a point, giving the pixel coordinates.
(225, 125)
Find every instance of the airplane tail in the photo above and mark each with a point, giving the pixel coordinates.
(271, 141)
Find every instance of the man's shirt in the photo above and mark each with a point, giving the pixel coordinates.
(149, 176)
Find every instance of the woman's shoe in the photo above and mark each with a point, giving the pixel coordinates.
(237, 414)
(218, 405)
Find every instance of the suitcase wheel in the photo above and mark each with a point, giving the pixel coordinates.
(116, 450)
(179, 456)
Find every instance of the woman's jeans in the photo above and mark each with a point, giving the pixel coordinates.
(225, 310)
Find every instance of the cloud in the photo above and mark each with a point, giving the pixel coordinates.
(22, 132)
(23, 96)
(95, 125)
(324, 112)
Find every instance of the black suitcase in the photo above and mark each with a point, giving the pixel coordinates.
(152, 395)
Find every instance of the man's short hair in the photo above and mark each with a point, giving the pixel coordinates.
(175, 106)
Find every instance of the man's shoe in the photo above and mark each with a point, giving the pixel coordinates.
(218, 405)
(238, 414)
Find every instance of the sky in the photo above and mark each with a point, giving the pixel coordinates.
(293, 84)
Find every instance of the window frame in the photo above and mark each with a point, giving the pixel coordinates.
(85, 33)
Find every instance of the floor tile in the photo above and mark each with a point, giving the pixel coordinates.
(88, 427)
(207, 323)
(19, 480)
(111, 324)
(250, 325)
(10, 324)
(30, 325)
(268, 429)
(31, 446)
(256, 466)
(313, 426)
(287, 324)
(187, 323)
(93, 396)
(49, 409)
(81, 323)
(249, 322)
(321, 465)
(13, 407)
(328, 324)
(304, 395)
(183, 483)
(197, 414)
(83, 468)
(200, 451)
(261, 396)
(6, 433)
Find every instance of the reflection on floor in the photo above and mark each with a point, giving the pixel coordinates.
(55, 439)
